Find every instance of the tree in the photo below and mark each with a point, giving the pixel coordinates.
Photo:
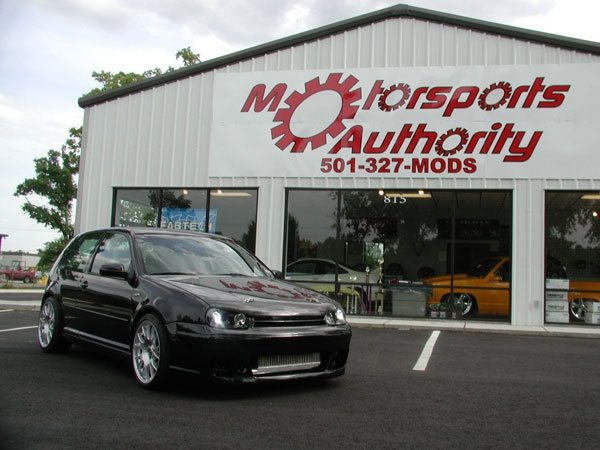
(188, 56)
(110, 81)
(55, 174)
(55, 182)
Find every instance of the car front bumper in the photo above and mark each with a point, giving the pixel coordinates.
(235, 355)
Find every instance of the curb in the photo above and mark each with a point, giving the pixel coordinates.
(22, 291)
(475, 327)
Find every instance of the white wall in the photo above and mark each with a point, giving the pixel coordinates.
(160, 137)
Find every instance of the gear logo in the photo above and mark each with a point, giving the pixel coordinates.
(463, 136)
(506, 89)
(385, 106)
(333, 83)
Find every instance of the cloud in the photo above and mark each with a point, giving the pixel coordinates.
(9, 113)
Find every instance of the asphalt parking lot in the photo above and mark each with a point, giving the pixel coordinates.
(477, 390)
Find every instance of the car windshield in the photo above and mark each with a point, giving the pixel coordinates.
(196, 255)
(483, 268)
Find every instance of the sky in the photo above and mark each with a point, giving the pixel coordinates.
(49, 49)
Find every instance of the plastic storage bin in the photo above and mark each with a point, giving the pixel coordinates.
(407, 299)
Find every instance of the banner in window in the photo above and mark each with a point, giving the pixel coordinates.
(192, 219)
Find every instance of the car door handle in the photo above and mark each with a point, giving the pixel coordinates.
(83, 284)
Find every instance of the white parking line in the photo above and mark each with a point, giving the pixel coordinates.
(6, 310)
(18, 329)
(427, 351)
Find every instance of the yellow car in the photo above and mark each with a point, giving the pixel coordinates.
(485, 290)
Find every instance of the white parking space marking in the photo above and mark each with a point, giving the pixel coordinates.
(18, 329)
(6, 310)
(427, 351)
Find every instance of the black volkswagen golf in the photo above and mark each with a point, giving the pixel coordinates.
(191, 301)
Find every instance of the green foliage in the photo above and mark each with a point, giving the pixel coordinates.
(188, 56)
(50, 253)
(54, 181)
(110, 81)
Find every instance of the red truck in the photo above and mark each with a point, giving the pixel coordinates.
(17, 273)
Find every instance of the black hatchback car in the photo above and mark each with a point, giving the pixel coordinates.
(192, 301)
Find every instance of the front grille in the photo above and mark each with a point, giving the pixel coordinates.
(286, 363)
(287, 321)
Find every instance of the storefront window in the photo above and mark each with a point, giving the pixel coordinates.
(233, 214)
(224, 211)
(572, 258)
(136, 207)
(185, 209)
(312, 230)
(413, 253)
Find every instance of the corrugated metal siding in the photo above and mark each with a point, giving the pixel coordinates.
(160, 137)
(411, 43)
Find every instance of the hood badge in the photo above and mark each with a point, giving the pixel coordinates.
(249, 300)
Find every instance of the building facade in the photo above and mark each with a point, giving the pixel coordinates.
(406, 147)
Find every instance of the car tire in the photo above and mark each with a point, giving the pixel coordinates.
(463, 303)
(26, 280)
(577, 310)
(150, 353)
(50, 325)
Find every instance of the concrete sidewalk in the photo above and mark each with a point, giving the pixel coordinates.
(391, 322)
(474, 326)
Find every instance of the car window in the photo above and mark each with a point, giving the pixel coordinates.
(329, 269)
(114, 250)
(303, 267)
(326, 268)
(77, 256)
(504, 271)
(483, 268)
(195, 255)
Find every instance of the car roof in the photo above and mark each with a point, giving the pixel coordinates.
(159, 231)
(315, 259)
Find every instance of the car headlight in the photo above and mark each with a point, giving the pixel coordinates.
(217, 318)
(337, 317)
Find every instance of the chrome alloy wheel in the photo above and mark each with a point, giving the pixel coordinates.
(46, 324)
(146, 351)
(578, 308)
(462, 303)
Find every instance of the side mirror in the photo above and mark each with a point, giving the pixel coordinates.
(277, 274)
(114, 270)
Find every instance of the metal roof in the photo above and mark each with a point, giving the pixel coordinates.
(400, 10)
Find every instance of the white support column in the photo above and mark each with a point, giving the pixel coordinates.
(270, 222)
(527, 308)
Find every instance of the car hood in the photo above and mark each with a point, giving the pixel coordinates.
(252, 294)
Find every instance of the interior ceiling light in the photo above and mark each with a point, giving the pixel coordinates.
(220, 193)
(590, 197)
(420, 194)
